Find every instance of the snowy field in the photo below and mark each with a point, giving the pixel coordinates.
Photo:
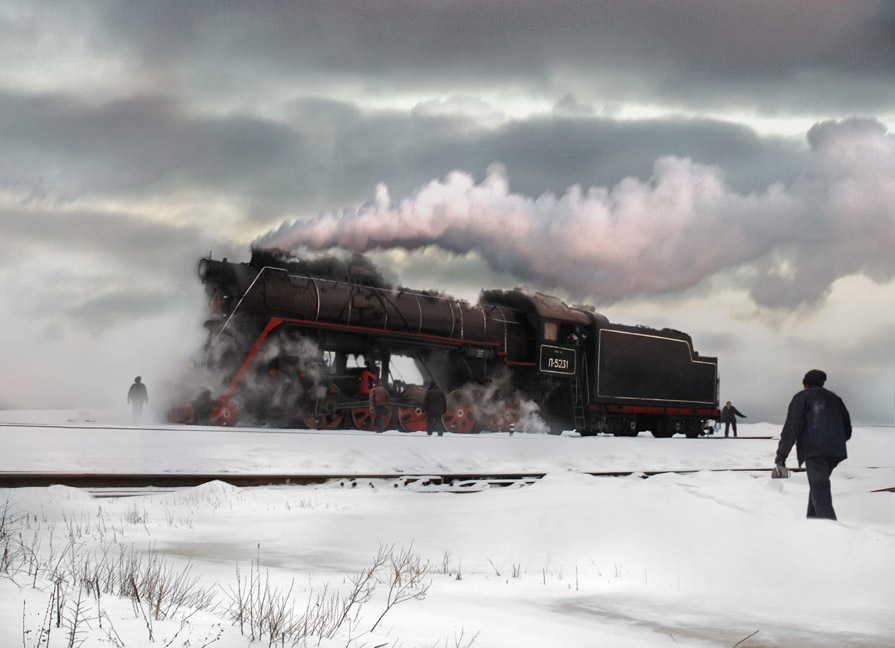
(714, 557)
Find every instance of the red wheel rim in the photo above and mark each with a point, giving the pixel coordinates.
(412, 417)
(506, 419)
(460, 414)
(227, 415)
(326, 421)
(364, 420)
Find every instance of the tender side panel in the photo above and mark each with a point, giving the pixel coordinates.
(650, 367)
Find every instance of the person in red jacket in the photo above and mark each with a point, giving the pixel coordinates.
(379, 404)
(819, 425)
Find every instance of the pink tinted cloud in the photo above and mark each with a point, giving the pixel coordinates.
(662, 234)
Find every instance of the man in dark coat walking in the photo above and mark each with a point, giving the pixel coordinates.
(435, 405)
(728, 418)
(136, 396)
(819, 425)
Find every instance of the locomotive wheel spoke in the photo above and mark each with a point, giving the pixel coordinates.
(460, 416)
(364, 420)
(411, 417)
(326, 421)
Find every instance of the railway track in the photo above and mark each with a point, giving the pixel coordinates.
(129, 485)
(109, 485)
(189, 480)
(124, 485)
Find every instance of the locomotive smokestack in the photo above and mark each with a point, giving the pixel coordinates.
(217, 272)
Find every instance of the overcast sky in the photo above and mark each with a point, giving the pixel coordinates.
(726, 169)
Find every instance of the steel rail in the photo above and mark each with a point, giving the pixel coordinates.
(23, 479)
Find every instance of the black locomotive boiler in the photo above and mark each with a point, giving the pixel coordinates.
(300, 344)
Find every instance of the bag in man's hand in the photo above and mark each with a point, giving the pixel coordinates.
(780, 472)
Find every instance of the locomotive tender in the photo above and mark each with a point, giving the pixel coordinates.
(282, 333)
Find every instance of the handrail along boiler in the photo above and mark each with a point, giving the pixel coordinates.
(282, 331)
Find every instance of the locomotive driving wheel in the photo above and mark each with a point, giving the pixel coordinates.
(506, 419)
(329, 418)
(460, 416)
(227, 414)
(412, 417)
(364, 420)
(182, 414)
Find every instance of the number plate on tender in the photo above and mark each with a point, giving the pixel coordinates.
(559, 360)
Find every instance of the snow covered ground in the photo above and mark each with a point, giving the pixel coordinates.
(714, 557)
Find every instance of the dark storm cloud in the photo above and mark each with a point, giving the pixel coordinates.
(551, 154)
(352, 151)
(58, 145)
(327, 152)
(691, 52)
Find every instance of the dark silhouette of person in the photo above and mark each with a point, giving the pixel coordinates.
(728, 418)
(435, 405)
(136, 397)
(379, 404)
(819, 425)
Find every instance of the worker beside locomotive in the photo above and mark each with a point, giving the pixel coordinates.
(582, 372)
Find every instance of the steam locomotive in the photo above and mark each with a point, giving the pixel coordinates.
(300, 343)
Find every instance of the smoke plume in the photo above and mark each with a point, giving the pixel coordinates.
(288, 372)
(660, 235)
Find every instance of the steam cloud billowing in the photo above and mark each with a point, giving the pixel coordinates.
(499, 405)
(661, 235)
(282, 394)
